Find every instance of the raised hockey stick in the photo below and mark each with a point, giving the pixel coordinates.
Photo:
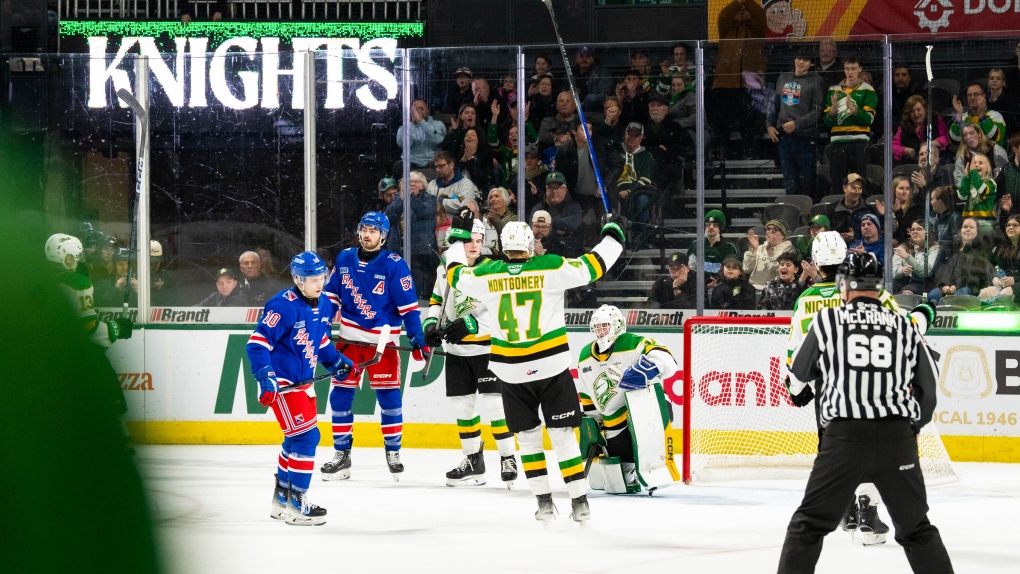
(930, 170)
(143, 125)
(580, 110)
(380, 348)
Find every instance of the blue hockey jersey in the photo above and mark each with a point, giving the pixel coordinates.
(372, 294)
(291, 336)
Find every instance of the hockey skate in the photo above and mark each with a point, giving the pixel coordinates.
(279, 508)
(393, 461)
(873, 530)
(300, 512)
(579, 511)
(339, 468)
(508, 470)
(471, 471)
(851, 518)
(546, 509)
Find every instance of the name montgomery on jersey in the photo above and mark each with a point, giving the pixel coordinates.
(525, 283)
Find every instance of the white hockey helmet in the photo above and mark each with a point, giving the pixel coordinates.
(64, 250)
(607, 324)
(828, 248)
(517, 236)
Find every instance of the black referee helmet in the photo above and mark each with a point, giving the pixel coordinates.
(861, 272)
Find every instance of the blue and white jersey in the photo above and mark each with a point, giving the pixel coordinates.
(291, 336)
(370, 294)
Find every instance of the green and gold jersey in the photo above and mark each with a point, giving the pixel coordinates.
(79, 291)
(460, 305)
(823, 295)
(598, 374)
(527, 331)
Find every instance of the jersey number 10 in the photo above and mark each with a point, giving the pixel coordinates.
(508, 318)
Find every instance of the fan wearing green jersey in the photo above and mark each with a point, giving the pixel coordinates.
(528, 338)
(614, 363)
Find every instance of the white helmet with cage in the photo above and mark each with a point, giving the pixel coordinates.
(517, 236)
(64, 250)
(607, 324)
(828, 248)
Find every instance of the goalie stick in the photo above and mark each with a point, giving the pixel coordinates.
(142, 118)
(380, 347)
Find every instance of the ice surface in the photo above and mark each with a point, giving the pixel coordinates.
(211, 507)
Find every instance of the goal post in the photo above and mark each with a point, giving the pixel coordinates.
(738, 419)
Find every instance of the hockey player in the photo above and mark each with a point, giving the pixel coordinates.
(828, 251)
(284, 349)
(529, 344)
(463, 322)
(616, 362)
(371, 287)
(65, 252)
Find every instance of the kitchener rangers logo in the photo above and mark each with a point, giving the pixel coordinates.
(933, 14)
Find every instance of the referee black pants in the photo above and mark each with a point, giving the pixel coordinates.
(882, 451)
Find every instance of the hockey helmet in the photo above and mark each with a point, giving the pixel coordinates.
(64, 250)
(122, 254)
(860, 272)
(476, 227)
(828, 248)
(517, 236)
(607, 324)
(307, 264)
(377, 220)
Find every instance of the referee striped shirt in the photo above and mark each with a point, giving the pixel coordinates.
(866, 362)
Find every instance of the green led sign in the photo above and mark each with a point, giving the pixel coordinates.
(220, 31)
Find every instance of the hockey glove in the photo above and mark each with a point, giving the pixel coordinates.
(461, 225)
(433, 336)
(637, 376)
(120, 328)
(420, 349)
(457, 330)
(612, 227)
(341, 368)
(928, 311)
(801, 399)
(269, 389)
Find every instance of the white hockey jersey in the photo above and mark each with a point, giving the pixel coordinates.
(528, 334)
(460, 306)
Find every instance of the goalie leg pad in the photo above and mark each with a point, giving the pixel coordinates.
(341, 399)
(648, 418)
(469, 425)
(612, 473)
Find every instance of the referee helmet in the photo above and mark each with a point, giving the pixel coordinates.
(860, 272)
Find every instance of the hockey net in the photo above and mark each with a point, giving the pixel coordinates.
(738, 420)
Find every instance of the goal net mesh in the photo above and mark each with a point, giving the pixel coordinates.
(743, 424)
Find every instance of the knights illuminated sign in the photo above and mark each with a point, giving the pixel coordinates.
(242, 71)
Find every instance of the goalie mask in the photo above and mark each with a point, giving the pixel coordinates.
(607, 324)
(64, 250)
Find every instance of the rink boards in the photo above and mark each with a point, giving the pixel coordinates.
(191, 384)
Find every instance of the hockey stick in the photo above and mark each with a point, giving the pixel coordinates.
(397, 347)
(380, 348)
(931, 171)
(143, 125)
(580, 110)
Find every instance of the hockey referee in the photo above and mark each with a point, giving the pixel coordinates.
(876, 383)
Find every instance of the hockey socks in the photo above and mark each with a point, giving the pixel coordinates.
(341, 400)
(392, 417)
(533, 461)
(301, 459)
(469, 424)
(504, 438)
(571, 463)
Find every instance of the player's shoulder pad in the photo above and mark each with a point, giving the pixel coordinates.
(394, 256)
(75, 281)
(585, 353)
